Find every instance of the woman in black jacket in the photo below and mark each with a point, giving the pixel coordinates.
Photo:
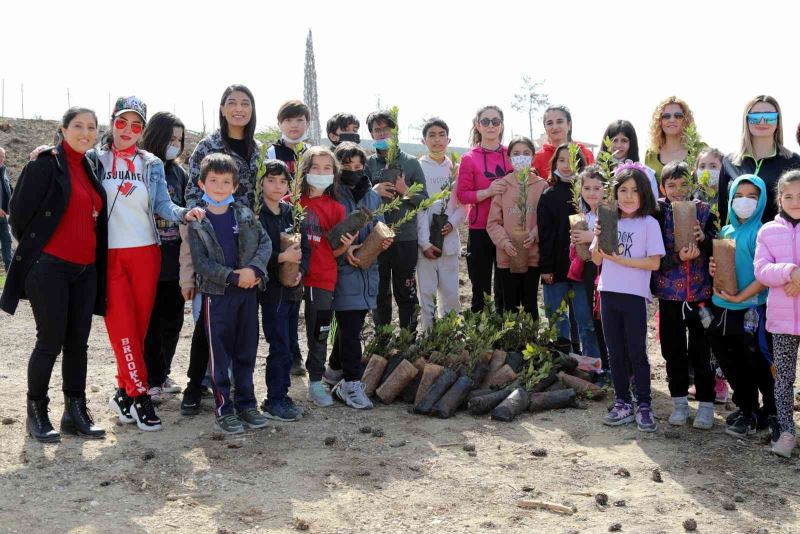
(762, 153)
(59, 266)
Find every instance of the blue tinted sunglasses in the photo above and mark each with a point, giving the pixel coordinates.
(770, 117)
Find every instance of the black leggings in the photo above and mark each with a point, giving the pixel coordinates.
(166, 322)
(741, 356)
(480, 262)
(346, 350)
(62, 297)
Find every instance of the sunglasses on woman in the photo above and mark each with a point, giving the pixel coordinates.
(769, 117)
(121, 124)
(494, 122)
(667, 116)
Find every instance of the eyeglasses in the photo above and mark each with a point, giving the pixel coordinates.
(121, 124)
(667, 116)
(494, 122)
(770, 117)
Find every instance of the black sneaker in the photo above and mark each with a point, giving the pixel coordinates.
(297, 367)
(774, 428)
(192, 400)
(144, 414)
(761, 419)
(741, 428)
(120, 404)
(732, 417)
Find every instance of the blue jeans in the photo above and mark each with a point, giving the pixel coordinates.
(5, 242)
(554, 295)
(275, 322)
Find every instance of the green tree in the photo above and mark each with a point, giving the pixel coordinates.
(269, 135)
(530, 99)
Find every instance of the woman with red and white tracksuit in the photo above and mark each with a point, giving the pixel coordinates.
(777, 266)
(136, 189)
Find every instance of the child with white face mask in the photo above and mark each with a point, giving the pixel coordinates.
(737, 335)
(519, 289)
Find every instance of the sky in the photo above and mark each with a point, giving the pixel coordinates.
(604, 60)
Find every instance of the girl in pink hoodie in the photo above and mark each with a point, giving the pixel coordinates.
(777, 265)
(480, 177)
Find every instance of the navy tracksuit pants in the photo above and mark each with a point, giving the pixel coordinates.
(231, 324)
(276, 323)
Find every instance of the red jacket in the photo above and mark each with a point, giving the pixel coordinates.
(322, 214)
(541, 162)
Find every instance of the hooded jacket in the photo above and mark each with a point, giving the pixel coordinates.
(472, 177)
(768, 169)
(504, 216)
(777, 256)
(745, 236)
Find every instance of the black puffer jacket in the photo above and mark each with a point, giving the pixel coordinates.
(37, 206)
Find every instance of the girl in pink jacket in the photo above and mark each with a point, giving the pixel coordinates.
(777, 265)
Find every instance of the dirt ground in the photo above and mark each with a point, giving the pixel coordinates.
(415, 477)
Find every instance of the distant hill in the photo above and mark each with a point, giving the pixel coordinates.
(20, 136)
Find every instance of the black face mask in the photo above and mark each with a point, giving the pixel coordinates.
(351, 178)
(352, 137)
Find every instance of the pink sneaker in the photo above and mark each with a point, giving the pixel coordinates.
(784, 445)
(691, 392)
(721, 391)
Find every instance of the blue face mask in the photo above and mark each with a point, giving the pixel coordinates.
(211, 202)
(380, 144)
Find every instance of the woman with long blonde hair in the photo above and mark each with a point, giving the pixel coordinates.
(667, 127)
(761, 153)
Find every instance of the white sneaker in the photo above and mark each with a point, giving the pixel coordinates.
(318, 394)
(155, 394)
(352, 393)
(331, 376)
(680, 412)
(169, 386)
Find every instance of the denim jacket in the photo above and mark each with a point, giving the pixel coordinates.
(208, 258)
(155, 181)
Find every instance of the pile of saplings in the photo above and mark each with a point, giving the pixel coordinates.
(487, 363)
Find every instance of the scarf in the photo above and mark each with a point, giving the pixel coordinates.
(126, 155)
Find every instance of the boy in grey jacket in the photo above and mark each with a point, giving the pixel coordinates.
(230, 250)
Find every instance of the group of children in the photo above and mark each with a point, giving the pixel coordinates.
(608, 293)
(236, 257)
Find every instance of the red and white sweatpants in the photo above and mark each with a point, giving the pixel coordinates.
(131, 289)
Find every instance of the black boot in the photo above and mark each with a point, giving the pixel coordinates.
(38, 422)
(77, 420)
